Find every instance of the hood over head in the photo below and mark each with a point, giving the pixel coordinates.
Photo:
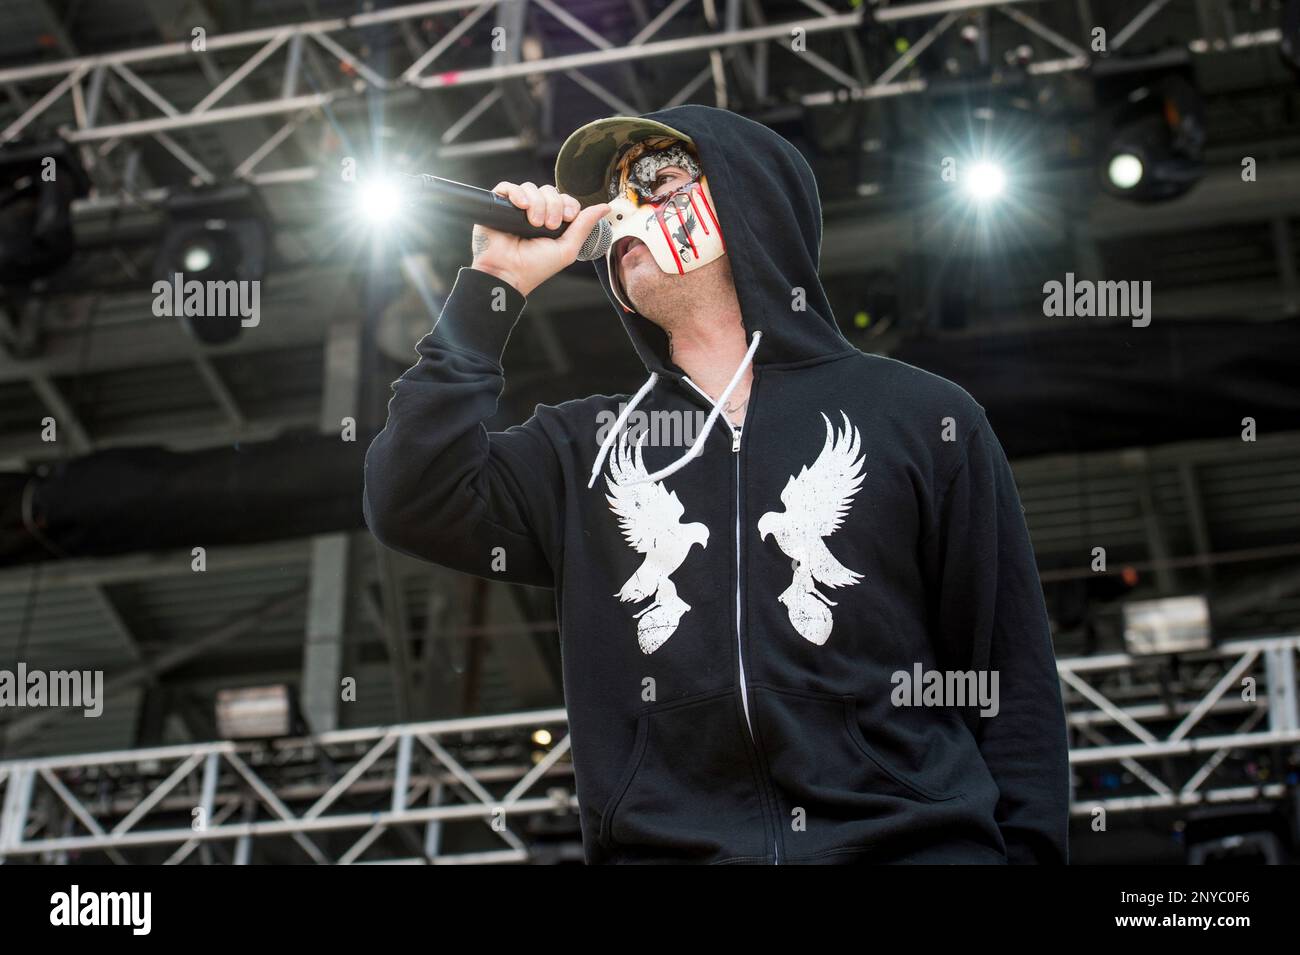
(766, 201)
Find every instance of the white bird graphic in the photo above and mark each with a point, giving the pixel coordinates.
(816, 502)
(650, 517)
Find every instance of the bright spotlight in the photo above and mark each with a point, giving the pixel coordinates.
(197, 258)
(985, 181)
(1125, 170)
(380, 200)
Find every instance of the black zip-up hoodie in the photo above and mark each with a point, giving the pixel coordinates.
(732, 634)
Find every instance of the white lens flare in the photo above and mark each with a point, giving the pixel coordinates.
(985, 180)
(1125, 170)
(379, 201)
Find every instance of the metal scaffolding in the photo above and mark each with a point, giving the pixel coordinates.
(1179, 740)
(1187, 714)
(279, 53)
(418, 774)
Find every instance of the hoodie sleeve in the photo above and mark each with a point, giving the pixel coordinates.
(438, 485)
(992, 616)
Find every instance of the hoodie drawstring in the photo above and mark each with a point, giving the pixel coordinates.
(698, 446)
(618, 425)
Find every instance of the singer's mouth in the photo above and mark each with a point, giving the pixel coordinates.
(625, 247)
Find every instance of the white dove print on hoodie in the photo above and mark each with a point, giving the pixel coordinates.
(650, 517)
(816, 501)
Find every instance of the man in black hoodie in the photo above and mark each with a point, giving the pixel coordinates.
(772, 642)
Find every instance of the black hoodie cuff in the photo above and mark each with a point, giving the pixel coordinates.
(469, 319)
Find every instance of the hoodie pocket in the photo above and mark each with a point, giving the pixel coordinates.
(689, 791)
(835, 789)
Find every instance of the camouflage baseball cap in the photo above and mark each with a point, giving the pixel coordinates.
(583, 166)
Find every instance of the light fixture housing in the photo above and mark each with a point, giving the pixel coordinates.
(38, 182)
(227, 230)
(255, 712)
(1167, 625)
(1151, 122)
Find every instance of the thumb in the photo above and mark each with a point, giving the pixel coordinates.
(576, 234)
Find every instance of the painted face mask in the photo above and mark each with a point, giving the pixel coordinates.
(680, 228)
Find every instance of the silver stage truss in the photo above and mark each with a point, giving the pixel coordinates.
(70, 92)
(1181, 732)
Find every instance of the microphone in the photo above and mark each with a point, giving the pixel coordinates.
(484, 207)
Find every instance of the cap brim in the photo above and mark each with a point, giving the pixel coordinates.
(584, 162)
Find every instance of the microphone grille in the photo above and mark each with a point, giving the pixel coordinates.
(598, 242)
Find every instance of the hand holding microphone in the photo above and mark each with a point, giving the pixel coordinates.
(528, 262)
(519, 232)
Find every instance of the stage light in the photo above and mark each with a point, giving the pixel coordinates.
(379, 201)
(213, 236)
(38, 182)
(255, 712)
(197, 258)
(1154, 148)
(1248, 848)
(1168, 625)
(1124, 170)
(985, 181)
(542, 737)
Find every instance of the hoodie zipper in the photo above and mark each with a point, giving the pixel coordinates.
(740, 656)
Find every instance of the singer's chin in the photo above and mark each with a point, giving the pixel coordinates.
(628, 280)
(642, 286)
